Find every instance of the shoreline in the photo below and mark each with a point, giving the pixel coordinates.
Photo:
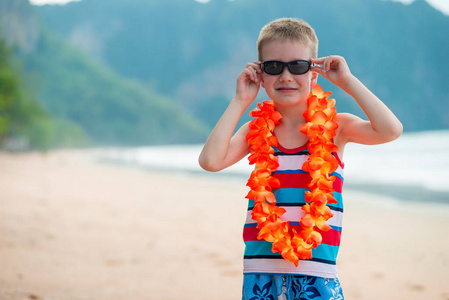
(74, 229)
(402, 192)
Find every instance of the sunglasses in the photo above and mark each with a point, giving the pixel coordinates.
(296, 67)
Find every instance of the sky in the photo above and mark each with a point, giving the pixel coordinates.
(442, 5)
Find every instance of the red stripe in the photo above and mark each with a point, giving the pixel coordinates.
(294, 180)
(342, 164)
(331, 237)
(338, 184)
(301, 180)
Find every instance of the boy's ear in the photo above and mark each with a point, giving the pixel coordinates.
(313, 79)
(262, 83)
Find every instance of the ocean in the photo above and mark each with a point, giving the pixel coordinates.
(415, 167)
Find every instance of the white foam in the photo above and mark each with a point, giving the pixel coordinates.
(415, 159)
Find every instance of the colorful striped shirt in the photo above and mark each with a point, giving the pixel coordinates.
(258, 257)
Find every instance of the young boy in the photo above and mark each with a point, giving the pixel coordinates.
(287, 68)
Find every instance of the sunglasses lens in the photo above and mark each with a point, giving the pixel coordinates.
(273, 67)
(299, 67)
(296, 67)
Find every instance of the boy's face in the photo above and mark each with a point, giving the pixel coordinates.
(287, 88)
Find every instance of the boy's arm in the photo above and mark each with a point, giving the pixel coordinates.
(383, 126)
(221, 149)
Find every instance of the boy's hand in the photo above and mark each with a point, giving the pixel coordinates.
(248, 82)
(382, 127)
(334, 68)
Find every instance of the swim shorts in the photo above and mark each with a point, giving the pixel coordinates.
(290, 287)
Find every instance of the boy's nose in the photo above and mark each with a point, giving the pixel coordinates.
(286, 75)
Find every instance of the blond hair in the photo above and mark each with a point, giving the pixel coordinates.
(285, 29)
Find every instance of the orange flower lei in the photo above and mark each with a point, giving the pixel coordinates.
(293, 245)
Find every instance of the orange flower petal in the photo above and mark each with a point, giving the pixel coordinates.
(319, 117)
(323, 225)
(307, 221)
(315, 238)
(305, 251)
(317, 90)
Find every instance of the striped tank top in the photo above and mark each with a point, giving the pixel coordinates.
(258, 257)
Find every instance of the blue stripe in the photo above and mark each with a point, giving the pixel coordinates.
(338, 175)
(290, 195)
(337, 228)
(263, 248)
(297, 197)
(296, 171)
(250, 225)
(279, 152)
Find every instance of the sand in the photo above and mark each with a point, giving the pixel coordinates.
(74, 229)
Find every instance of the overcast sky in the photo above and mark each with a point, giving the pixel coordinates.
(442, 5)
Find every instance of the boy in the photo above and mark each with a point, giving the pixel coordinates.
(287, 68)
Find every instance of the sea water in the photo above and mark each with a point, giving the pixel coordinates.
(413, 167)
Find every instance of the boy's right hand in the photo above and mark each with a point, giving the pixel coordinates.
(248, 82)
(223, 148)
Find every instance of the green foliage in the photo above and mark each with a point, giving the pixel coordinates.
(24, 124)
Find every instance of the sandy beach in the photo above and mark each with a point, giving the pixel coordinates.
(74, 229)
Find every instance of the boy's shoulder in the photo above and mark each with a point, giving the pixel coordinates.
(343, 118)
(345, 121)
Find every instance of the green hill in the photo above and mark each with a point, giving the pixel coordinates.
(81, 94)
(113, 110)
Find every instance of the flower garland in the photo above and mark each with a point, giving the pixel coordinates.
(293, 245)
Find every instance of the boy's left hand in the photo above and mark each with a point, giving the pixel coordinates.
(334, 68)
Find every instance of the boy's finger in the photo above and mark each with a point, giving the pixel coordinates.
(325, 62)
(252, 72)
(318, 61)
(318, 69)
(248, 74)
(256, 66)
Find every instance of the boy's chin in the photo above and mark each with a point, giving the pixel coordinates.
(289, 97)
(289, 101)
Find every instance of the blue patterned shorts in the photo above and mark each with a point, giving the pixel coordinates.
(290, 287)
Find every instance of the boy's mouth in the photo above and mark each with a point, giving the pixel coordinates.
(286, 89)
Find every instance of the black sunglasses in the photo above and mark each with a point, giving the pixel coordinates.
(296, 67)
